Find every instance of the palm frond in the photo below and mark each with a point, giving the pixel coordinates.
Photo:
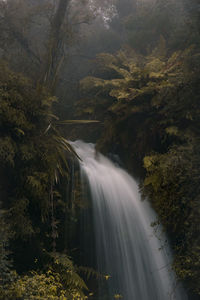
(68, 122)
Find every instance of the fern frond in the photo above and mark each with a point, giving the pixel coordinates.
(90, 272)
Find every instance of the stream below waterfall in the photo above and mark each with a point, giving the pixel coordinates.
(134, 257)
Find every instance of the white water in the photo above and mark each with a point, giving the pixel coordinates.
(127, 249)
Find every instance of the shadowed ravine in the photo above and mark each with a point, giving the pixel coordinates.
(128, 251)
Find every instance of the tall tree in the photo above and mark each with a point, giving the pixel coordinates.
(55, 44)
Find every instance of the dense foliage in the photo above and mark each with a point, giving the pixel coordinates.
(33, 157)
(172, 182)
(134, 66)
(151, 104)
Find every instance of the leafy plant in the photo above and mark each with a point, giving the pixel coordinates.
(150, 108)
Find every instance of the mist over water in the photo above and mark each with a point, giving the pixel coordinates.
(137, 263)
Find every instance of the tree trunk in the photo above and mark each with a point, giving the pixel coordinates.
(54, 55)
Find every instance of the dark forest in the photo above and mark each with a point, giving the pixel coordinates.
(125, 76)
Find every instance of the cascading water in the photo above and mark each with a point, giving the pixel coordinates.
(128, 252)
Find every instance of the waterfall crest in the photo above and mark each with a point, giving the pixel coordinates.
(128, 251)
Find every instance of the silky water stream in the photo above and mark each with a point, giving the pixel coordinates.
(136, 263)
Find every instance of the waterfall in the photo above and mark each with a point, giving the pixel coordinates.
(135, 261)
